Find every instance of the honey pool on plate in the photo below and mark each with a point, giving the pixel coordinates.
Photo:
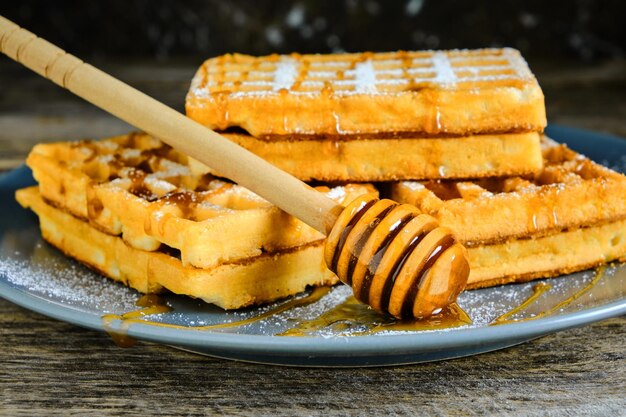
(347, 317)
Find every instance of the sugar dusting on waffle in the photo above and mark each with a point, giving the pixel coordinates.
(285, 74)
(348, 74)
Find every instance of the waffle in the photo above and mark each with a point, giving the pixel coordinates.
(398, 94)
(370, 160)
(519, 260)
(229, 285)
(568, 217)
(136, 187)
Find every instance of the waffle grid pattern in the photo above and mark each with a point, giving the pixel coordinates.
(366, 73)
(571, 191)
(137, 187)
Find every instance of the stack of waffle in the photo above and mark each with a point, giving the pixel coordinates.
(378, 117)
(457, 133)
(466, 128)
(131, 208)
(569, 216)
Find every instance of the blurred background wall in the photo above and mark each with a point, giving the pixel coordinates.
(576, 48)
(581, 30)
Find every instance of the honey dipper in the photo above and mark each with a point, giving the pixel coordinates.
(396, 260)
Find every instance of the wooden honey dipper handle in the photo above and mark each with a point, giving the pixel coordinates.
(182, 133)
(396, 260)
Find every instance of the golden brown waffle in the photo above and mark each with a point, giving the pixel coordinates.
(263, 278)
(519, 260)
(368, 160)
(396, 94)
(568, 217)
(571, 191)
(137, 187)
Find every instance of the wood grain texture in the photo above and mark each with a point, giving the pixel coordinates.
(48, 364)
(49, 367)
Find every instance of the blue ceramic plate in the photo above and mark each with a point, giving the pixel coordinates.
(38, 277)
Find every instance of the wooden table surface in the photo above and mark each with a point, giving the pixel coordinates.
(50, 367)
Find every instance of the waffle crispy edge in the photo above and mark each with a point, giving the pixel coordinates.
(261, 279)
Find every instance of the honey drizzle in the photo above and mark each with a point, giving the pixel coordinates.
(346, 232)
(394, 230)
(360, 243)
(153, 304)
(342, 319)
(541, 288)
(538, 290)
(352, 314)
(435, 254)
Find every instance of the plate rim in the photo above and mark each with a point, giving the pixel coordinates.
(315, 345)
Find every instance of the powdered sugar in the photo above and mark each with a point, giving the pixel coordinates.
(517, 63)
(365, 77)
(619, 165)
(348, 74)
(50, 275)
(444, 73)
(285, 73)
